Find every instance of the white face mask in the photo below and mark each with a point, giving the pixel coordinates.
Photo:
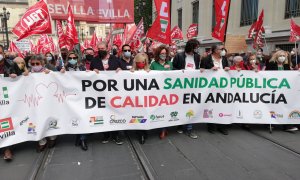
(1, 57)
(281, 59)
(223, 53)
(292, 52)
(253, 62)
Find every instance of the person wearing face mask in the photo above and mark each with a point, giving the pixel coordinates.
(238, 63)
(64, 54)
(114, 50)
(280, 62)
(126, 60)
(37, 64)
(252, 63)
(73, 63)
(261, 58)
(141, 63)
(88, 57)
(215, 61)
(188, 60)
(50, 62)
(295, 59)
(161, 63)
(105, 62)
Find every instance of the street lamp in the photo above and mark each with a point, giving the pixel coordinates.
(82, 34)
(5, 17)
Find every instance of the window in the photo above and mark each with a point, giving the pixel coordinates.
(213, 22)
(249, 11)
(195, 12)
(180, 18)
(286, 47)
(92, 30)
(292, 8)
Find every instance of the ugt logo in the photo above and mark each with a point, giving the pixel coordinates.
(164, 12)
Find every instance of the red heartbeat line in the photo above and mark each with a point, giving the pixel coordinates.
(31, 100)
(62, 96)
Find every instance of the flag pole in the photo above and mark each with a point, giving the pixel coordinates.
(266, 44)
(227, 22)
(296, 53)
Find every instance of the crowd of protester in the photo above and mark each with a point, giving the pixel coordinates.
(161, 58)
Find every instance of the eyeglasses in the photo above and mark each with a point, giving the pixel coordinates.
(126, 50)
(73, 58)
(35, 64)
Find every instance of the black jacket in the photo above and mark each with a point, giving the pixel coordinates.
(274, 66)
(207, 63)
(113, 64)
(179, 61)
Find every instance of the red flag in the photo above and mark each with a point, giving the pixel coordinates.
(139, 32)
(259, 31)
(14, 48)
(295, 32)
(71, 33)
(221, 10)
(117, 40)
(129, 31)
(252, 30)
(36, 20)
(86, 43)
(161, 28)
(192, 31)
(94, 42)
(32, 47)
(45, 45)
(176, 33)
(61, 35)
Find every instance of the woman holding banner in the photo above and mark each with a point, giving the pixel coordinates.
(161, 63)
(281, 62)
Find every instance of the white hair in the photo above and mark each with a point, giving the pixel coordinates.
(237, 58)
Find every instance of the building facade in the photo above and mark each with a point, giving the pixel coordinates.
(277, 15)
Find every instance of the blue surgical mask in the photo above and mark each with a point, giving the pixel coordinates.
(49, 58)
(73, 61)
(127, 54)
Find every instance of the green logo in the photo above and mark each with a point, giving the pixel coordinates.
(152, 117)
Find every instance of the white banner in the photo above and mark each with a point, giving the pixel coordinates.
(41, 105)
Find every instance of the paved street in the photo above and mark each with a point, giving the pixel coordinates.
(243, 154)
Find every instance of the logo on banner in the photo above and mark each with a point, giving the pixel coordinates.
(190, 114)
(294, 115)
(274, 115)
(75, 122)
(224, 115)
(239, 114)
(31, 129)
(4, 96)
(156, 118)
(138, 119)
(114, 120)
(53, 123)
(174, 115)
(6, 128)
(257, 114)
(208, 113)
(96, 120)
(36, 20)
(24, 121)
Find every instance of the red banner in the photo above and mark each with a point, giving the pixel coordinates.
(103, 11)
(161, 28)
(36, 20)
(192, 31)
(221, 10)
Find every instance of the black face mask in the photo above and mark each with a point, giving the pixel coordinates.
(114, 52)
(89, 57)
(102, 54)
